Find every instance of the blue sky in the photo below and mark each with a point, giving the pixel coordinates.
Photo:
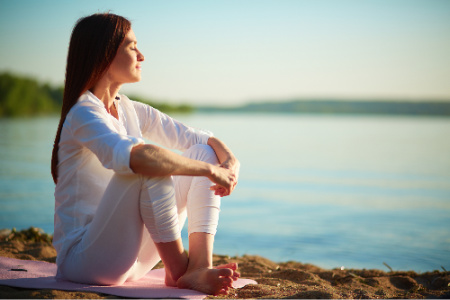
(234, 52)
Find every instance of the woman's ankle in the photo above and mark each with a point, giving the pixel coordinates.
(200, 251)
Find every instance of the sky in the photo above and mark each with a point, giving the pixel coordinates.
(218, 52)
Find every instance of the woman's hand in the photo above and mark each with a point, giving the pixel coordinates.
(225, 180)
(227, 162)
(234, 165)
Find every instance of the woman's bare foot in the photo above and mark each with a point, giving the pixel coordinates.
(210, 281)
(233, 266)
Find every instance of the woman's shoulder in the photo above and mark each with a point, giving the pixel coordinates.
(86, 106)
(139, 107)
(125, 100)
(88, 99)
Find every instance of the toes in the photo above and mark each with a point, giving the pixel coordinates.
(233, 266)
(227, 282)
(222, 292)
(225, 272)
(225, 285)
(235, 275)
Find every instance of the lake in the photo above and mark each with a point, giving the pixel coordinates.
(347, 190)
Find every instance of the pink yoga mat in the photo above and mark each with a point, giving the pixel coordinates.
(41, 275)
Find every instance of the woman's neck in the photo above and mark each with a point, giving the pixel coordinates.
(107, 94)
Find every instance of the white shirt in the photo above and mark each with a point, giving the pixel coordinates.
(93, 146)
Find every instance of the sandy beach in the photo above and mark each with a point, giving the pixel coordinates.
(276, 280)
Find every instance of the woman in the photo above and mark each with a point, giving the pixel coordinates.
(120, 205)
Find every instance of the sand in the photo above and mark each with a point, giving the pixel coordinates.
(275, 280)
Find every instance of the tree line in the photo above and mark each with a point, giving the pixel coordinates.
(26, 97)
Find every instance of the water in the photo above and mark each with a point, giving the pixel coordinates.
(353, 191)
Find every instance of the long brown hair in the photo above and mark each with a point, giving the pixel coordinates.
(93, 45)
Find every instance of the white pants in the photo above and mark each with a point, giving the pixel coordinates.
(136, 212)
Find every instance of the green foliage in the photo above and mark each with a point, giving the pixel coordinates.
(22, 96)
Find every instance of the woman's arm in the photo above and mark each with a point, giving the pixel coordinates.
(154, 161)
(227, 161)
(167, 131)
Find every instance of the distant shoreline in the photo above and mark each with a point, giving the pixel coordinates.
(27, 97)
(369, 107)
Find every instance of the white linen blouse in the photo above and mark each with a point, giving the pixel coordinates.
(94, 145)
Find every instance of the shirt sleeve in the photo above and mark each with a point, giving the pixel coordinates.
(166, 131)
(91, 128)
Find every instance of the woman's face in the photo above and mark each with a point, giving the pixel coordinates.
(126, 66)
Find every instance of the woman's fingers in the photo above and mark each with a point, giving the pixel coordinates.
(235, 170)
(225, 181)
(219, 190)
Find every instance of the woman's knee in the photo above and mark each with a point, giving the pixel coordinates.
(203, 153)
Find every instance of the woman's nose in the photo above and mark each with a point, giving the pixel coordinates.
(140, 56)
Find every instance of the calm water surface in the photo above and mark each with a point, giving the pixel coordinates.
(353, 191)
